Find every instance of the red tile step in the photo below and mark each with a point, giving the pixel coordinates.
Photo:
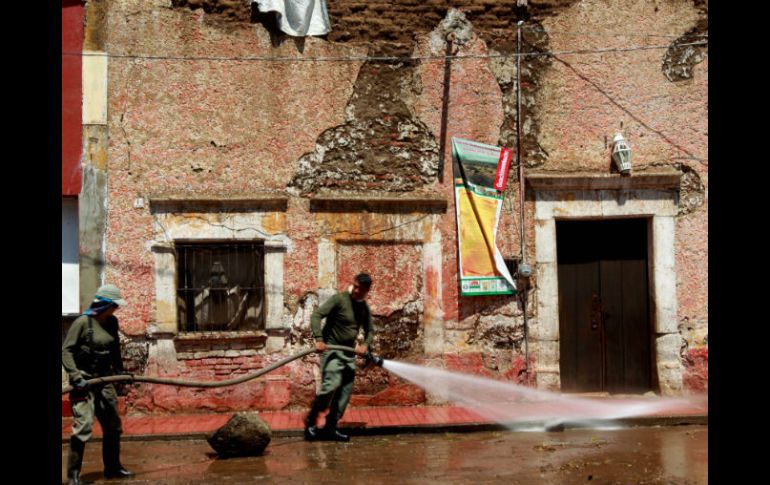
(382, 419)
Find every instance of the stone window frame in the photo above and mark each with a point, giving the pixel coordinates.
(590, 197)
(223, 220)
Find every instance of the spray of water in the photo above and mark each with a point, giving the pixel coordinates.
(523, 408)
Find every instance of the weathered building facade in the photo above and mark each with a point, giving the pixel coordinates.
(237, 176)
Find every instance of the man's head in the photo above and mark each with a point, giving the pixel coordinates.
(362, 283)
(107, 299)
(110, 293)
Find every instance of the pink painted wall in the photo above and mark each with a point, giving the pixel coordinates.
(396, 270)
(235, 128)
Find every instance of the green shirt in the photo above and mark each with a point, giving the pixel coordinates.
(94, 357)
(344, 317)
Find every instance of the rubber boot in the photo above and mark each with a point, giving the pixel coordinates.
(331, 433)
(111, 458)
(75, 461)
(320, 403)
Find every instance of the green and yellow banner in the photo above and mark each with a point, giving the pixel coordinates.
(480, 175)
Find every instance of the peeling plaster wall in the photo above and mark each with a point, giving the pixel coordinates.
(656, 99)
(229, 129)
(475, 93)
(204, 128)
(95, 173)
(382, 146)
(692, 290)
(587, 97)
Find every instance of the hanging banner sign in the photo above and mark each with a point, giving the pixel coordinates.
(479, 170)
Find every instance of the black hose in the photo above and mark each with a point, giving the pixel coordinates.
(185, 383)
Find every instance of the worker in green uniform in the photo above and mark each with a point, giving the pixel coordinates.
(346, 313)
(92, 349)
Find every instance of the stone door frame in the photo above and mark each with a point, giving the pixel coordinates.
(572, 197)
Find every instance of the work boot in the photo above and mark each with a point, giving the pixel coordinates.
(75, 461)
(311, 430)
(111, 458)
(312, 433)
(331, 433)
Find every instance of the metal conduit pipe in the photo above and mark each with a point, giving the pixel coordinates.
(523, 270)
(228, 382)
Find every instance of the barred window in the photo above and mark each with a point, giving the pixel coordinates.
(220, 286)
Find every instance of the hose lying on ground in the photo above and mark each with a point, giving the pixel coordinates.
(185, 383)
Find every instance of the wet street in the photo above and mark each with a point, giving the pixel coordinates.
(673, 455)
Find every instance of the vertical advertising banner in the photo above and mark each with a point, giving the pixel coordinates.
(480, 175)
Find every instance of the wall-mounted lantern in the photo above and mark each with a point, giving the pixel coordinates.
(621, 154)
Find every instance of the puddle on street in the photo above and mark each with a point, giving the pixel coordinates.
(676, 455)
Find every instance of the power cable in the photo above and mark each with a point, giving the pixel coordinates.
(384, 58)
(536, 28)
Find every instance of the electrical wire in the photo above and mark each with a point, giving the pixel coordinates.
(384, 58)
(536, 28)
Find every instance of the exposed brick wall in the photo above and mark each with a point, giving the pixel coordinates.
(400, 20)
(273, 391)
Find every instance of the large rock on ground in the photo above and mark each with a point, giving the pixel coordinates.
(245, 434)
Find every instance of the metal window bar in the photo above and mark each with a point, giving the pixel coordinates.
(220, 286)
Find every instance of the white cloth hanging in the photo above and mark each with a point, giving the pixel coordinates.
(298, 17)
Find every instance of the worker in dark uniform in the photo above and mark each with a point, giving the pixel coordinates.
(92, 349)
(345, 313)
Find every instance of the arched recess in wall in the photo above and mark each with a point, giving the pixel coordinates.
(406, 226)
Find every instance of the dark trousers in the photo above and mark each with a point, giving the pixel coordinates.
(338, 374)
(102, 403)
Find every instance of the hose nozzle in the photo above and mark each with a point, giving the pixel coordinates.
(374, 359)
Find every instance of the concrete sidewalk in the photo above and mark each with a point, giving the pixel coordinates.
(370, 420)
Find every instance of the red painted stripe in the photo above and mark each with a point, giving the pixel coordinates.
(503, 163)
(71, 97)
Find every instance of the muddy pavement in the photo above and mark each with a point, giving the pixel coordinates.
(653, 455)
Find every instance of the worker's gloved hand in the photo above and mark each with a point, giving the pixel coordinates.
(80, 384)
(372, 359)
(320, 346)
(361, 350)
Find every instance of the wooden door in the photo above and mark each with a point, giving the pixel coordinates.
(604, 324)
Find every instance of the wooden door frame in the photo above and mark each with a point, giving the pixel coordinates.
(653, 196)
